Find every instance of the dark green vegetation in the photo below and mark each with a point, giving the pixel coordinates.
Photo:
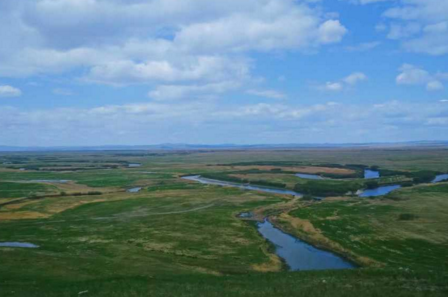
(225, 177)
(15, 190)
(328, 188)
(180, 238)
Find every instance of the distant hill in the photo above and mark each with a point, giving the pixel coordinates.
(181, 146)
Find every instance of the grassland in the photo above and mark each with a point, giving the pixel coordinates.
(179, 238)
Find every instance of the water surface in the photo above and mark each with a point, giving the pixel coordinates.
(298, 254)
(371, 174)
(246, 215)
(19, 245)
(54, 181)
(208, 181)
(440, 177)
(134, 190)
(380, 191)
(309, 176)
(134, 165)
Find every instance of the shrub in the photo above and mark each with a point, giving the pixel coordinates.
(371, 184)
(326, 188)
(407, 217)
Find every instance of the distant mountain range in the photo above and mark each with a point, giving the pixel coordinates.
(181, 146)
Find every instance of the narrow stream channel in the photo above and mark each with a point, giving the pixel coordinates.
(300, 255)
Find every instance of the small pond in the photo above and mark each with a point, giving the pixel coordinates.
(18, 245)
(134, 190)
(371, 174)
(246, 215)
(300, 255)
(134, 165)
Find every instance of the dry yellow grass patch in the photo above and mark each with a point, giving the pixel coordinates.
(273, 265)
(312, 170)
(22, 215)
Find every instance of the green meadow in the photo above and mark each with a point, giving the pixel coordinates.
(180, 238)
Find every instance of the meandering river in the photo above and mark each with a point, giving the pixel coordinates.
(300, 255)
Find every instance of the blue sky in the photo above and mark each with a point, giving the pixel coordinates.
(95, 72)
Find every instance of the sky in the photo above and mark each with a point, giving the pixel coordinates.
(136, 72)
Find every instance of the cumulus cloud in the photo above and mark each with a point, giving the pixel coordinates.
(355, 78)
(9, 91)
(161, 41)
(421, 25)
(413, 75)
(345, 83)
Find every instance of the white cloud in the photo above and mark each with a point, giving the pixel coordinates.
(412, 75)
(272, 94)
(363, 47)
(9, 91)
(434, 86)
(161, 41)
(346, 82)
(175, 92)
(401, 31)
(355, 78)
(200, 68)
(333, 86)
(422, 25)
(140, 123)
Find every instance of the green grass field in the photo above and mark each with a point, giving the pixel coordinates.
(180, 238)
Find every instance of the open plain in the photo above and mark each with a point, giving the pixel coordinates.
(178, 237)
